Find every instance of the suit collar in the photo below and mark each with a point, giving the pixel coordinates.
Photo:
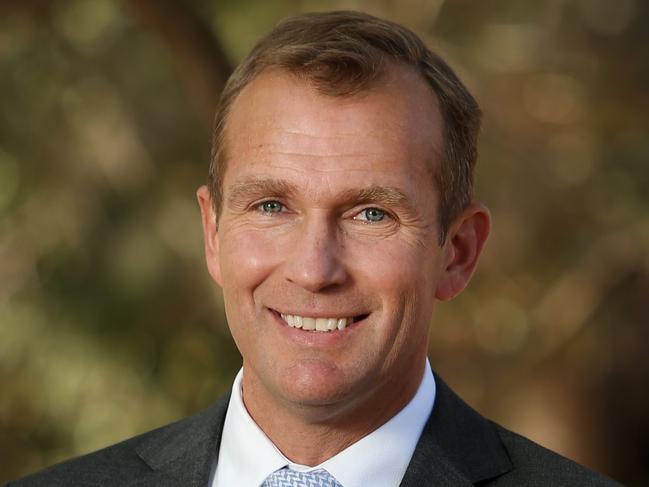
(457, 446)
(183, 453)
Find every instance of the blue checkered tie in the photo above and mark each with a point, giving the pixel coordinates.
(292, 478)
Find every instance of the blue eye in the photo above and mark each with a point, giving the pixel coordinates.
(271, 206)
(371, 215)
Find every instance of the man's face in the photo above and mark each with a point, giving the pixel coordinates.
(329, 220)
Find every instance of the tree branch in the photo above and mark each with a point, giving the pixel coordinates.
(204, 66)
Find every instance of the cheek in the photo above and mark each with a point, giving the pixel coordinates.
(246, 259)
(394, 268)
(403, 277)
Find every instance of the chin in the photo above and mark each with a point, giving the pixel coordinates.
(315, 383)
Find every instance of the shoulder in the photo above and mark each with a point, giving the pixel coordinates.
(535, 465)
(105, 467)
(136, 460)
(459, 443)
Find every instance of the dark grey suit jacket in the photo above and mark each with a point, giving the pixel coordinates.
(458, 447)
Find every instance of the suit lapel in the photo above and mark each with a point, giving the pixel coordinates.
(457, 447)
(182, 454)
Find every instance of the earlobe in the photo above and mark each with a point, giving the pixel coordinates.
(210, 233)
(465, 241)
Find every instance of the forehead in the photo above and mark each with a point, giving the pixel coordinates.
(280, 121)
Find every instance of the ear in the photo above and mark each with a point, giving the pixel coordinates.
(464, 241)
(210, 233)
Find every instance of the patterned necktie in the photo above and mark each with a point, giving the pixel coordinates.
(292, 478)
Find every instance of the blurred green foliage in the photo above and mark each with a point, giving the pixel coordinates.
(109, 324)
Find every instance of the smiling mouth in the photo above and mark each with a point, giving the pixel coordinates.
(322, 325)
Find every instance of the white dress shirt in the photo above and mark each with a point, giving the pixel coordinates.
(247, 456)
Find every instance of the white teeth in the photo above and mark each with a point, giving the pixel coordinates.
(316, 324)
(308, 323)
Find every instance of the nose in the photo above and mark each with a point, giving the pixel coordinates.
(315, 261)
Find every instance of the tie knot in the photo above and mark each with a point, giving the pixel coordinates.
(292, 478)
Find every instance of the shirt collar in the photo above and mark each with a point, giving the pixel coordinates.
(247, 456)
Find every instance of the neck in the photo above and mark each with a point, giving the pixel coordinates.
(309, 435)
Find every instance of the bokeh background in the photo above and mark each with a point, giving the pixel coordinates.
(109, 323)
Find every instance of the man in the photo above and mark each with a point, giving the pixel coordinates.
(339, 211)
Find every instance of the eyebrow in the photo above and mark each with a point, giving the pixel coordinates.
(388, 196)
(257, 188)
(385, 195)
